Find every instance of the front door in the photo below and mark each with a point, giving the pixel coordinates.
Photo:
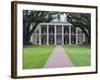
(59, 40)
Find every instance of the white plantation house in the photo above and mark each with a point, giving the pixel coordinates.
(57, 32)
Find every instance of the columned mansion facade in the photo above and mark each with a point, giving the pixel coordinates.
(57, 33)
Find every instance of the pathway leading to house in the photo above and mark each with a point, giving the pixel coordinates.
(58, 58)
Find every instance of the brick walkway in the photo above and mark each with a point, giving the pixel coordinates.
(58, 58)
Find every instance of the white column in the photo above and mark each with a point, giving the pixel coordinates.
(31, 40)
(47, 35)
(83, 37)
(40, 35)
(80, 37)
(55, 34)
(76, 35)
(69, 34)
(62, 35)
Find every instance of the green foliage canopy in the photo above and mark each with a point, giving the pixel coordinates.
(83, 21)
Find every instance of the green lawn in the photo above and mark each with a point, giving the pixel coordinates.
(79, 54)
(36, 56)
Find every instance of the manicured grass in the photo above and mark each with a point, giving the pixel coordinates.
(36, 56)
(79, 54)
